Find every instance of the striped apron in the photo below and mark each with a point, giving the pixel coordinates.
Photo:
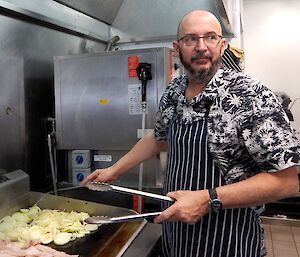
(228, 233)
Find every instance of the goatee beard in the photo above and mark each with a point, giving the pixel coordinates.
(202, 75)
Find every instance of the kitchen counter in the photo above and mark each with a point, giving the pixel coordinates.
(147, 243)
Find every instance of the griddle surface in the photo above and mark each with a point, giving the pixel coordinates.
(107, 241)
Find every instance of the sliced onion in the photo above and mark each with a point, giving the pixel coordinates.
(62, 238)
(45, 226)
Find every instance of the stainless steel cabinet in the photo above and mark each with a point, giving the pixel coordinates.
(98, 104)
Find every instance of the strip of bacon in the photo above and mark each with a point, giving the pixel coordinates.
(12, 249)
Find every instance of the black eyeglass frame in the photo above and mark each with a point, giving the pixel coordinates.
(198, 37)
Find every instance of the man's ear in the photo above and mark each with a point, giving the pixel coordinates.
(176, 48)
(224, 45)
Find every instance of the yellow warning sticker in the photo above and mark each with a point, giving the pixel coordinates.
(103, 101)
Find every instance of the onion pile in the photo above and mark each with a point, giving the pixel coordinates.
(44, 226)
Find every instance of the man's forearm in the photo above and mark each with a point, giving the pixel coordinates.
(145, 148)
(261, 188)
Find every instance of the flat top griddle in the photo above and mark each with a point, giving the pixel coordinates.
(109, 240)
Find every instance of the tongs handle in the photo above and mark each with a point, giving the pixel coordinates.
(134, 217)
(107, 220)
(104, 186)
(142, 193)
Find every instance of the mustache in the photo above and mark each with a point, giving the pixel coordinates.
(200, 55)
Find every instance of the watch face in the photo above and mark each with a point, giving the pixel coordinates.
(216, 205)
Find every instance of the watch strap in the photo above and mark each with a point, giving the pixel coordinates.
(213, 193)
(214, 202)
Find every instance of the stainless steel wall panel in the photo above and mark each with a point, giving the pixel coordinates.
(12, 113)
(26, 63)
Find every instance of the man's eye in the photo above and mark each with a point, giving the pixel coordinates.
(211, 37)
(193, 38)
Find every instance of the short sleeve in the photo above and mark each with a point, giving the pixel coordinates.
(267, 134)
(167, 106)
(164, 115)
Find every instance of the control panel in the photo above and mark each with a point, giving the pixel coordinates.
(81, 163)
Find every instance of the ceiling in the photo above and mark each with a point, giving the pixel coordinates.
(146, 20)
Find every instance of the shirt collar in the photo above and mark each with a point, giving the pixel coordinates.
(209, 93)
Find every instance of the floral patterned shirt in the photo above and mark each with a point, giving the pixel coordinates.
(248, 130)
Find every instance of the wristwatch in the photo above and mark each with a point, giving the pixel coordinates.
(215, 203)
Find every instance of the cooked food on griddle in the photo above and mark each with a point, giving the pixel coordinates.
(12, 249)
(44, 226)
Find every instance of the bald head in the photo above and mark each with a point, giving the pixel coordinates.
(200, 19)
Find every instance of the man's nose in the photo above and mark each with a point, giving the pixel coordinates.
(201, 44)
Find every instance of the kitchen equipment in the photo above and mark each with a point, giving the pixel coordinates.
(109, 220)
(107, 118)
(113, 240)
(144, 74)
(107, 241)
(12, 185)
(98, 186)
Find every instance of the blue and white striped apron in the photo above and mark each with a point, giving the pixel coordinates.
(229, 233)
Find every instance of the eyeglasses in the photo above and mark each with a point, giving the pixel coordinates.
(211, 39)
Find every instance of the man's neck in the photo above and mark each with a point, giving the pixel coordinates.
(194, 88)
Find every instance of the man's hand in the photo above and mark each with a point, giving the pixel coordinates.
(101, 175)
(189, 207)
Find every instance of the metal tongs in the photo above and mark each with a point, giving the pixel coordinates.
(108, 220)
(98, 186)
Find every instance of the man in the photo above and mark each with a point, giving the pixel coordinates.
(230, 149)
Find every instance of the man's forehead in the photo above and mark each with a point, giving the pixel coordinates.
(200, 20)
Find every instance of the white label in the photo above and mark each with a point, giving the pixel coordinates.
(139, 132)
(102, 158)
(134, 99)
